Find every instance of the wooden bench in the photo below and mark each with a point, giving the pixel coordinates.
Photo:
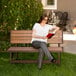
(24, 37)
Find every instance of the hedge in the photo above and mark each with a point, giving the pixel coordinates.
(19, 15)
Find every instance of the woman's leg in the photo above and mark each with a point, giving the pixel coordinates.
(36, 44)
(44, 48)
(40, 59)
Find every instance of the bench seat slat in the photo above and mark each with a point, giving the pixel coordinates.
(31, 49)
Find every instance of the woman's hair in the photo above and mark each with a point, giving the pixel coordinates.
(43, 17)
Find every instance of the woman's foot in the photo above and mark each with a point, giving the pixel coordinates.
(53, 60)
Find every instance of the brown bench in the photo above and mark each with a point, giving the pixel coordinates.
(24, 37)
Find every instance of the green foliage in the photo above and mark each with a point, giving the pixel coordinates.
(18, 14)
(21, 14)
(4, 45)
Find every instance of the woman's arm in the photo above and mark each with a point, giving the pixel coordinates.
(56, 29)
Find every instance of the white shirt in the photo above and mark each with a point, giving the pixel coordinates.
(41, 31)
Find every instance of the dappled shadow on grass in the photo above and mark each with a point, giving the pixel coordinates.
(67, 67)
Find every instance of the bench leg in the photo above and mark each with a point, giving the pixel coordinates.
(59, 58)
(40, 59)
(11, 56)
(17, 56)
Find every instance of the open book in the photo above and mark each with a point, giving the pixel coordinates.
(50, 35)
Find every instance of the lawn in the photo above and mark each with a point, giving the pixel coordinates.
(67, 67)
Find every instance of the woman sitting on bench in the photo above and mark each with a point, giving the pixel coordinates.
(40, 36)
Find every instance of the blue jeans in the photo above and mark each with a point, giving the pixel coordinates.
(42, 46)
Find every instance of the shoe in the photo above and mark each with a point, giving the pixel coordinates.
(53, 61)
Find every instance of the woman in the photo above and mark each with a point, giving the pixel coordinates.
(39, 38)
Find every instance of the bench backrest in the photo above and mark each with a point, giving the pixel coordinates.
(24, 36)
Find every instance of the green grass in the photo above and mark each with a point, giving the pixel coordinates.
(67, 67)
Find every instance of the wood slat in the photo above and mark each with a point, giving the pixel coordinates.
(21, 34)
(20, 38)
(31, 49)
(20, 41)
(29, 61)
(21, 31)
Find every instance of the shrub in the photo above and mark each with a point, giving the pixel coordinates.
(18, 14)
